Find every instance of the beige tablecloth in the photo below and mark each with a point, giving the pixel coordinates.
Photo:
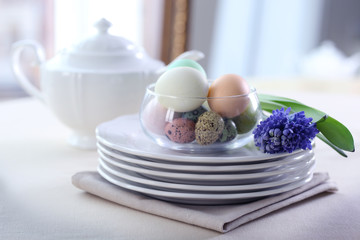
(38, 201)
(220, 218)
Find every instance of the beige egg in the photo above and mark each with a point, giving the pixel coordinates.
(228, 95)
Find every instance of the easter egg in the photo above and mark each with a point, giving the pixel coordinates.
(247, 120)
(182, 89)
(228, 95)
(208, 128)
(154, 117)
(180, 130)
(187, 63)
(229, 133)
(194, 115)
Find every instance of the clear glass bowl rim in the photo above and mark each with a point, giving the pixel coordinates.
(150, 87)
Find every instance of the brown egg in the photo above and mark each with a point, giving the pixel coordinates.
(225, 86)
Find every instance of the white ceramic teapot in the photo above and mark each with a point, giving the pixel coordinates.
(100, 78)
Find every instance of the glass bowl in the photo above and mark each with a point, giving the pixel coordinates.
(198, 128)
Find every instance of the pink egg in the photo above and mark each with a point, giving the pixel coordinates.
(180, 130)
(155, 117)
(225, 86)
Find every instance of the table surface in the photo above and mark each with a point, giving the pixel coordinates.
(38, 201)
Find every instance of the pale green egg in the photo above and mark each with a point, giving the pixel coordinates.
(187, 63)
(182, 89)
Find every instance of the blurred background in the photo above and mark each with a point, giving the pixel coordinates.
(257, 39)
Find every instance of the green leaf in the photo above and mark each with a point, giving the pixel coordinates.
(325, 140)
(296, 106)
(269, 106)
(336, 133)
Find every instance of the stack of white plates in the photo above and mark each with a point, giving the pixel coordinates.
(129, 159)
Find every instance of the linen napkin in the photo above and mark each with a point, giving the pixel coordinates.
(222, 218)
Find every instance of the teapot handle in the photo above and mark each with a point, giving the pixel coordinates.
(17, 49)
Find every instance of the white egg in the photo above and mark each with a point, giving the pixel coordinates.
(182, 89)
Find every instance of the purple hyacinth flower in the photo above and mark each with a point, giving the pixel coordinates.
(282, 132)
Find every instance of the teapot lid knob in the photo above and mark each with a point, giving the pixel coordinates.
(102, 25)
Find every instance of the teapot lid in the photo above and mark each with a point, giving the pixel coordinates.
(106, 52)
